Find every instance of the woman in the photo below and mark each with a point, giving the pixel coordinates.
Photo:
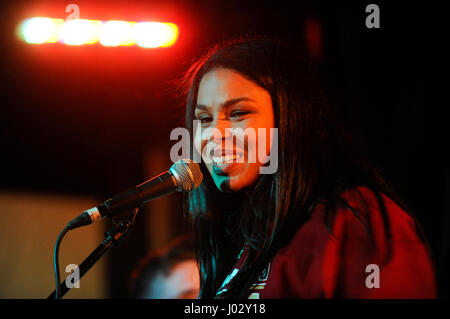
(324, 224)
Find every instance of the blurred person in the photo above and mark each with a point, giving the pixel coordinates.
(326, 223)
(169, 273)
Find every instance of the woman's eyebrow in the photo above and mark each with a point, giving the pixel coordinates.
(227, 103)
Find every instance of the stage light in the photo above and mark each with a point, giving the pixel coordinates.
(113, 33)
(116, 33)
(78, 32)
(41, 30)
(155, 34)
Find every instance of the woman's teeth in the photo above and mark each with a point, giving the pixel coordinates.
(222, 160)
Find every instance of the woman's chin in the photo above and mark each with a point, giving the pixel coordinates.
(233, 177)
(227, 183)
(233, 183)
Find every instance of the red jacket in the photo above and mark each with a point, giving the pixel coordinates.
(317, 264)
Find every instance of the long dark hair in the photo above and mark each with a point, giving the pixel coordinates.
(319, 158)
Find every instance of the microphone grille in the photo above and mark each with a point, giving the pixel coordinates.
(187, 173)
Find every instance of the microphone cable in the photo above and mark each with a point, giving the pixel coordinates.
(56, 260)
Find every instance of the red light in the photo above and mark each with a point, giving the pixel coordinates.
(155, 34)
(110, 33)
(114, 33)
(78, 32)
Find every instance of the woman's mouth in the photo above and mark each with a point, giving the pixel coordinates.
(226, 159)
(224, 165)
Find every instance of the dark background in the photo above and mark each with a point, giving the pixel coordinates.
(79, 120)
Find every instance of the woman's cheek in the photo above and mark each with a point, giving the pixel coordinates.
(247, 176)
(198, 143)
(265, 141)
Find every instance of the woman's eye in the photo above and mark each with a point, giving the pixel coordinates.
(204, 119)
(238, 114)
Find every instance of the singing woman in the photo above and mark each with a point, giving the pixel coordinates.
(325, 223)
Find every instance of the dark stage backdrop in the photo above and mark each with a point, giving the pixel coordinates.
(92, 121)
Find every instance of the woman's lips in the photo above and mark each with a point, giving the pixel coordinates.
(223, 165)
(225, 159)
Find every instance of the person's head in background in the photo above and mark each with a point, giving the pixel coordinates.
(170, 273)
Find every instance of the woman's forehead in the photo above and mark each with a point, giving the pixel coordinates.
(221, 85)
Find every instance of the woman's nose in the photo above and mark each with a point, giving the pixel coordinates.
(221, 130)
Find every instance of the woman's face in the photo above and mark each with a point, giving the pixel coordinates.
(227, 100)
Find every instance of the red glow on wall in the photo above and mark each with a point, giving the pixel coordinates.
(313, 35)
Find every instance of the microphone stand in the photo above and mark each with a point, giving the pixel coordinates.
(121, 225)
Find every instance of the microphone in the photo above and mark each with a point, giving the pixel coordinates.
(183, 176)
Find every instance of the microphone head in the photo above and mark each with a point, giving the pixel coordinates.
(187, 174)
